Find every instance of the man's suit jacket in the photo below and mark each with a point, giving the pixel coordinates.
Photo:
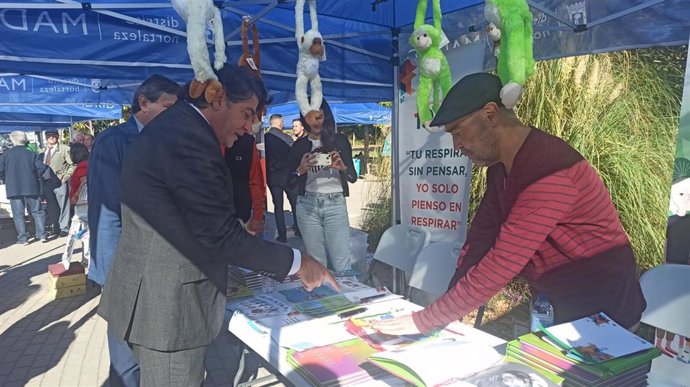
(103, 180)
(166, 287)
(60, 162)
(21, 169)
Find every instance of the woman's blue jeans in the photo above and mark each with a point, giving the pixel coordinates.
(325, 228)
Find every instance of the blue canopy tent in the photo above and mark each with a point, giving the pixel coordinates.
(129, 40)
(38, 118)
(41, 103)
(345, 113)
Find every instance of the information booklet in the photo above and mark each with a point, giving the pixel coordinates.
(509, 374)
(595, 339)
(442, 362)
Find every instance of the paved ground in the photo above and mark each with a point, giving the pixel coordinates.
(62, 342)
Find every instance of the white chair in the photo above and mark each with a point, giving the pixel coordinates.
(667, 291)
(434, 268)
(399, 247)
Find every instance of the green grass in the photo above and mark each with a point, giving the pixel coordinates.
(622, 115)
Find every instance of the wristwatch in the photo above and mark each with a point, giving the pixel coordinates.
(296, 173)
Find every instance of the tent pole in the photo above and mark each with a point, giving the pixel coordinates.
(395, 131)
(71, 129)
(255, 18)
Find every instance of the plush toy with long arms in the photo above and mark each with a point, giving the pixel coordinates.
(197, 14)
(311, 52)
(434, 73)
(252, 62)
(515, 60)
(249, 60)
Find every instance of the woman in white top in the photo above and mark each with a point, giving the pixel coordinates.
(321, 209)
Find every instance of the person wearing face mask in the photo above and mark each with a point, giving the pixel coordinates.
(321, 208)
(165, 291)
(106, 159)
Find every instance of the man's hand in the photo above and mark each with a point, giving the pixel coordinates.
(313, 274)
(403, 325)
(255, 226)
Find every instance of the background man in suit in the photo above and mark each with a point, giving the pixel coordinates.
(56, 156)
(20, 168)
(152, 97)
(278, 145)
(165, 292)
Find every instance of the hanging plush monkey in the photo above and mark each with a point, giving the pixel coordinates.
(515, 60)
(197, 13)
(249, 60)
(311, 51)
(252, 62)
(434, 73)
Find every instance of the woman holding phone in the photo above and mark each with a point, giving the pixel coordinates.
(322, 165)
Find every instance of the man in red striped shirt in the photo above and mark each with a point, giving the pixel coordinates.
(546, 216)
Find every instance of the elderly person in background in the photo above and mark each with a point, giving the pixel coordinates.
(88, 141)
(78, 138)
(21, 168)
(57, 157)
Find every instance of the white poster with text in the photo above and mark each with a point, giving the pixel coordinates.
(434, 177)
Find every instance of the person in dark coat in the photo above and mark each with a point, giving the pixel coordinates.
(278, 145)
(21, 170)
(107, 156)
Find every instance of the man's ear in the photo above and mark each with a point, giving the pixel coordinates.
(492, 112)
(143, 103)
(216, 103)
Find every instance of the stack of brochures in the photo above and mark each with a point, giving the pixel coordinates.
(242, 276)
(592, 351)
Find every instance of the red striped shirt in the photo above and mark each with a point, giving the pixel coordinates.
(564, 217)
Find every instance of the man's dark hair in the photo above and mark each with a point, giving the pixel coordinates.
(273, 116)
(78, 152)
(239, 84)
(152, 89)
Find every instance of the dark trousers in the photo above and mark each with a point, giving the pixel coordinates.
(58, 208)
(277, 195)
(177, 368)
(33, 204)
(124, 368)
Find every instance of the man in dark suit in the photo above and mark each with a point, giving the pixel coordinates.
(152, 97)
(278, 145)
(165, 291)
(21, 169)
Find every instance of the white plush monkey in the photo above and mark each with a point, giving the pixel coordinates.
(311, 51)
(197, 13)
(680, 198)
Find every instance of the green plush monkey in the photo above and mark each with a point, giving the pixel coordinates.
(433, 66)
(515, 60)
